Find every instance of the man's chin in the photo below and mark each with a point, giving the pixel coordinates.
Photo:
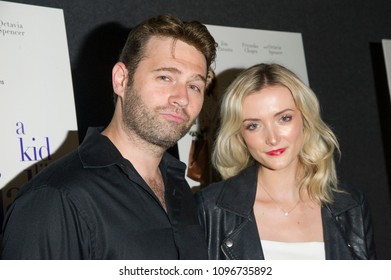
(166, 143)
(168, 139)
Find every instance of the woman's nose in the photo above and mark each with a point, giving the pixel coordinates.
(272, 137)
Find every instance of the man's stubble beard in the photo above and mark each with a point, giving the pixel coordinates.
(148, 125)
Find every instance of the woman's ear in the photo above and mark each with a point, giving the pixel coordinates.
(119, 78)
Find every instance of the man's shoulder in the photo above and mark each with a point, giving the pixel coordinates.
(57, 173)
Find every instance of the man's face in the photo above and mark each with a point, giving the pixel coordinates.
(167, 92)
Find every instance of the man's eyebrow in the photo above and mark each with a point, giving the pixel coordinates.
(169, 69)
(177, 71)
(199, 77)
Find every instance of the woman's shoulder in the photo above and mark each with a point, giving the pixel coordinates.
(353, 192)
(348, 197)
(245, 177)
(211, 192)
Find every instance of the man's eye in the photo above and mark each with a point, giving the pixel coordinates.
(195, 88)
(164, 78)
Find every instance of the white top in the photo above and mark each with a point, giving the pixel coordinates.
(276, 250)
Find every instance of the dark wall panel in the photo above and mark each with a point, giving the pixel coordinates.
(344, 61)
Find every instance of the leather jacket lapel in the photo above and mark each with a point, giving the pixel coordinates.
(243, 243)
(238, 198)
(336, 247)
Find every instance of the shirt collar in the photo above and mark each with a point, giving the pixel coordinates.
(98, 151)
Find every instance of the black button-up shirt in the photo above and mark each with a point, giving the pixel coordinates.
(92, 204)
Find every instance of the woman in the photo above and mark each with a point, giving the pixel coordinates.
(280, 197)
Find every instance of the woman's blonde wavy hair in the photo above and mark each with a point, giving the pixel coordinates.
(230, 154)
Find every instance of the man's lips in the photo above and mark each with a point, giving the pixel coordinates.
(276, 152)
(174, 117)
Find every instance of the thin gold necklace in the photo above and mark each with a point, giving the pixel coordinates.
(286, 213)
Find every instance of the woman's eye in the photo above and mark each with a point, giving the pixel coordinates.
(286, 118)
(252, 126)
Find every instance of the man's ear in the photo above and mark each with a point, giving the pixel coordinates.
(119, 78)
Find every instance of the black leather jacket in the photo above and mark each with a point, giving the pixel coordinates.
(225, 211)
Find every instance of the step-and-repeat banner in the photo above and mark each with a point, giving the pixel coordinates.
(37, 110)
(239, 48)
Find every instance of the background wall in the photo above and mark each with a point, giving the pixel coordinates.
(342, 42)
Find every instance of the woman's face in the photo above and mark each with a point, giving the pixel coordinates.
(272, 128)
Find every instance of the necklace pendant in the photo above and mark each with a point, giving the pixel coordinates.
(286, 214)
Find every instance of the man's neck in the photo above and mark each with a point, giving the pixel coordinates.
(144, 156)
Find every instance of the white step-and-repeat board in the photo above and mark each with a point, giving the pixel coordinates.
(37, 109)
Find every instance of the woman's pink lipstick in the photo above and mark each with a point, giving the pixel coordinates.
(276, 152)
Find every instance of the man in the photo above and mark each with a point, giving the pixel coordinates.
(121, 195)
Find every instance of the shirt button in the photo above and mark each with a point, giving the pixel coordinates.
(229, 243)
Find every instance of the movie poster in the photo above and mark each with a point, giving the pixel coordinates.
(37, 111)
(238, 48)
